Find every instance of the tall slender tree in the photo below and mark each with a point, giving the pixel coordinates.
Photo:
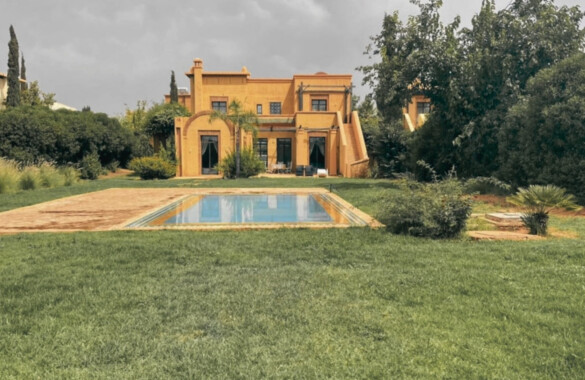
(174, 90)
(24, 85)
(13, 95)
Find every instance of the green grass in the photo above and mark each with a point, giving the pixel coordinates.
(355, 303)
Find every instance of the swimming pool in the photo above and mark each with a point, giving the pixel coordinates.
(297, 209)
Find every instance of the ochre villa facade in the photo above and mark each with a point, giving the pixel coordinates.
(305, 120)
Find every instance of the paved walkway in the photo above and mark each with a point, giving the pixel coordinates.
(97, 211)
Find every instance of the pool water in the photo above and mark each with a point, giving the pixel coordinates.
(218, 209)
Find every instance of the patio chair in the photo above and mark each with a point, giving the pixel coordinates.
(309, 170)
(300, 170)
(288, 168)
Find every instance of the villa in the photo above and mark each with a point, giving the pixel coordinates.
(305, 120)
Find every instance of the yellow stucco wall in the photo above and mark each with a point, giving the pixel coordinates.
(412, 120)
(3, 89)
(188, 132)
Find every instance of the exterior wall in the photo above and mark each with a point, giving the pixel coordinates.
(291, 123)
(3, 89)
(412, 119)
(184, 100)
(188, 132)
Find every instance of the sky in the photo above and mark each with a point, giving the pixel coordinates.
(110, 54)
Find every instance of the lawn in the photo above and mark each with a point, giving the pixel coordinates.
(338, 303)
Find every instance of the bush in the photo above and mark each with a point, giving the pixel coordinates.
(13, 177)
(436, 210)
(90, 166)
(153, 167)
(30, 178)
(113, 166)
(487, 185)
(250, 164)
(34, 134)
(70, 175)
(9, 176)
(50, 176)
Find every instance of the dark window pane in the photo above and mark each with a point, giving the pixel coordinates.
(259, 109)
(275, 108)
(261, 148)
(219, 106)
(423, 107)
(319, 105)
(284, 150)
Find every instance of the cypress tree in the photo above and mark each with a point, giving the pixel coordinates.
(174, 90)
(13, 95)
(24, 85)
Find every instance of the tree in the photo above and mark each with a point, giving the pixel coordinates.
(239, 119)
(471, 75)
(542, 140)
(418, 57)
(159, 121)
(13, 95)
(24, 85)
(174, 90)
(134, 120)
(33, 96)
(385, 141)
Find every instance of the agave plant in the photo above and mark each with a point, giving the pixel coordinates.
(538, 201)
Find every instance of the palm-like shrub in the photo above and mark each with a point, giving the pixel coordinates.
(538, 201)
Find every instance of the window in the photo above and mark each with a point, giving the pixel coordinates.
(319, 105)
(275, 108)
(283, 150)
(219, 106)
(259, 109)
(261, 148)
(423, 107)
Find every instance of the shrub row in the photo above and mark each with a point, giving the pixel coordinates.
(14, 177)
(35, 134)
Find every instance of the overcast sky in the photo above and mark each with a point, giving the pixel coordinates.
(109, 54)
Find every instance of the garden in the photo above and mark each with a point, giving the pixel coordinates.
(354, 302)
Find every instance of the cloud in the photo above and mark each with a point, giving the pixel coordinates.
(134, 15)
(308, 8)
(67, 55)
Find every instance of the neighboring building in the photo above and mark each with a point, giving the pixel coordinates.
(3, 89)
(305, 120)
(60, 106)
(416, 111)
